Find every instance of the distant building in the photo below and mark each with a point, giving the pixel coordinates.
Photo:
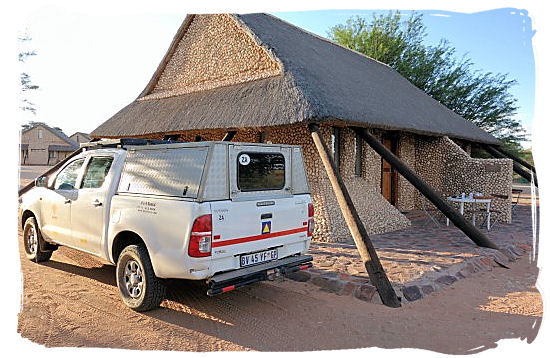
(44, 145)
(80, 137)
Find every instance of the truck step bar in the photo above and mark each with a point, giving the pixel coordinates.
(231, 280)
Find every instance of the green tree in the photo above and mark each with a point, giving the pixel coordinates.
(31, 124)
(398, 41)
(26, 83)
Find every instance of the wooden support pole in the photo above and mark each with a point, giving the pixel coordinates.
(29, 186)
(229, 136)
(517, 168)
(515, 158)
(470, 230)
(358, 232)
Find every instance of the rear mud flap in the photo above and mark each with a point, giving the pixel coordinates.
(228, 281)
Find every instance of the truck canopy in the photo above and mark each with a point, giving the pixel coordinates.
(206, 171)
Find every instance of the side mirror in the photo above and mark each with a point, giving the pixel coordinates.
(41, 181)
(66, 186)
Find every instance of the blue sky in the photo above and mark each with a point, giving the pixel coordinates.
(101, 62)
(497, 41)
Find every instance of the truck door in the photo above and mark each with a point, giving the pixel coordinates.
(56, 203)
(88, 211)
(263, 216)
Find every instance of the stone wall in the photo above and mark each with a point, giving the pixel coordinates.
(216, 51)
(450, 170)
(464, 174)
(429, 164)
(406, 197)
(375, 211)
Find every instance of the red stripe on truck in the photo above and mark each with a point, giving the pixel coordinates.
(258, 237)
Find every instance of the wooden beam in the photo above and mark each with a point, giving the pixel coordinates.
(229, 136)
(515, 158)
(358, 232)
(172, 137)
(29, 186)
(517, 168)
(470, 230)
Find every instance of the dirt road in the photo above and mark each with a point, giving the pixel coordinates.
(72, 300)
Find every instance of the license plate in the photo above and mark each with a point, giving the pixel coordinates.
(259, 257)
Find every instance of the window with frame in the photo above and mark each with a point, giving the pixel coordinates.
(40, 134)
(66, 179)
(96, 172)
(260, 171)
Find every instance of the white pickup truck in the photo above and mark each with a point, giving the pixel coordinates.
(224, 212)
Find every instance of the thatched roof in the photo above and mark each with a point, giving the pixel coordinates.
(320, 80)
(85, 136)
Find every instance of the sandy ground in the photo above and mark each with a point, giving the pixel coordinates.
(72, 300)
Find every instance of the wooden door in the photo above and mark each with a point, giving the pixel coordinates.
(388, 182)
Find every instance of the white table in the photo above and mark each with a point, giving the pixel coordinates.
(474, 201)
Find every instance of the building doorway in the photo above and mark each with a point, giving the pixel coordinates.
(388, 180)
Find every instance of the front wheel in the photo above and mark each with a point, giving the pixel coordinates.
(138, 286)
(33, 242)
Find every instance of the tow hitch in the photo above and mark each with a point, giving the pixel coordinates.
(231, 280)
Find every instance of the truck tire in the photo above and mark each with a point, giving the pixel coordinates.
(33, 242)
(137, 284)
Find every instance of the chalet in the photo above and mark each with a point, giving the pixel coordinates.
(267, 80)
(44, 145)
(80, 137)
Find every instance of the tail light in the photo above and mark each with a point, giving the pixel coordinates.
(200, 242)
(311, 221)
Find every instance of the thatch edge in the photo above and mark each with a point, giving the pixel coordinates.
(322, 121)
(269, 52)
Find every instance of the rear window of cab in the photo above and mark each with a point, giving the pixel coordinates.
(260, 171)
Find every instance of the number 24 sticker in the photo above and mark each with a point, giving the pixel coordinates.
(244, 159)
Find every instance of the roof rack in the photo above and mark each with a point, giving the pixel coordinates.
(123, 142)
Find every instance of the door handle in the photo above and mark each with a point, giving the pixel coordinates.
(96, 203)
(67, 201)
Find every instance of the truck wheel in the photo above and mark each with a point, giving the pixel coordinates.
(32, 239)
(139, 288)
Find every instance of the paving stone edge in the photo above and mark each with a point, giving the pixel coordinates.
(343, 284)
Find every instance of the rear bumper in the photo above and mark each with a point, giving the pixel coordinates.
(231, 280)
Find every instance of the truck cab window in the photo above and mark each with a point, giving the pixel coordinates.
(66, 179)
(97, 170)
